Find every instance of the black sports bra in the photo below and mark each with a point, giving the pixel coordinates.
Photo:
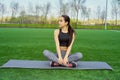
(63, 38)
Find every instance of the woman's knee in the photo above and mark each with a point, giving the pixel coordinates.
(79, 55)
(46, 52)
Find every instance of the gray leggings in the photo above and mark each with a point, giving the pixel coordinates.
(54, 57)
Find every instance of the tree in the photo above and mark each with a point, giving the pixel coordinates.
(14, 6)
(118, 2)
(77, 4)
(30, 9)
(37, 12)
(119, 8)
(46, 10)
(98, 11)
(2, 10)
(88, 14)
(22, 16)
(72, 12)
(115, 9)
(60, 3)
(102, 16)
(85, 13)
(64, 7)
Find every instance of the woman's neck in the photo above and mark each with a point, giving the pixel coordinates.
(65, 29)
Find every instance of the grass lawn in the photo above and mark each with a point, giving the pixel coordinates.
(28, 44)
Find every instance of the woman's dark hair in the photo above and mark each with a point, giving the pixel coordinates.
(70, 29)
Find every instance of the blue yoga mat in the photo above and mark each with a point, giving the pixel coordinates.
(45, 65)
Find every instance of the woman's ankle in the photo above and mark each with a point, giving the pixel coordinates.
(72, 64)
(54, 64)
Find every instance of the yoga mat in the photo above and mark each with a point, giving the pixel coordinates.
(34, 64)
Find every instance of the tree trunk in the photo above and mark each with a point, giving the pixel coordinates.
(116, 19)
(77, 19)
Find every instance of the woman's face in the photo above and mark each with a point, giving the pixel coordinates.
(62, 22)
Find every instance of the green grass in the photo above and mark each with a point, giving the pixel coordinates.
(28, 44)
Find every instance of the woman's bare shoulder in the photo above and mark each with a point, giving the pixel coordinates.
(56, 31)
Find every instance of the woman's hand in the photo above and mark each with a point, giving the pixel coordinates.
(65, 61)
(60, 60)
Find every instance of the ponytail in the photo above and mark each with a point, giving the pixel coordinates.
(71, 32)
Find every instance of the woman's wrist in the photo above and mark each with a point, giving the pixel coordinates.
(59, 57)
(66, 57)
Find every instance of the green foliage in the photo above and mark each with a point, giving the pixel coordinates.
(28, 25)
(101, 27)
(28, 44)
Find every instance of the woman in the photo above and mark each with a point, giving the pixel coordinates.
(64, 38)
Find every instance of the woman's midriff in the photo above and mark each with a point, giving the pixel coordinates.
(63, 48)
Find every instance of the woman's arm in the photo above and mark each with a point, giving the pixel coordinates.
(56, 33)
